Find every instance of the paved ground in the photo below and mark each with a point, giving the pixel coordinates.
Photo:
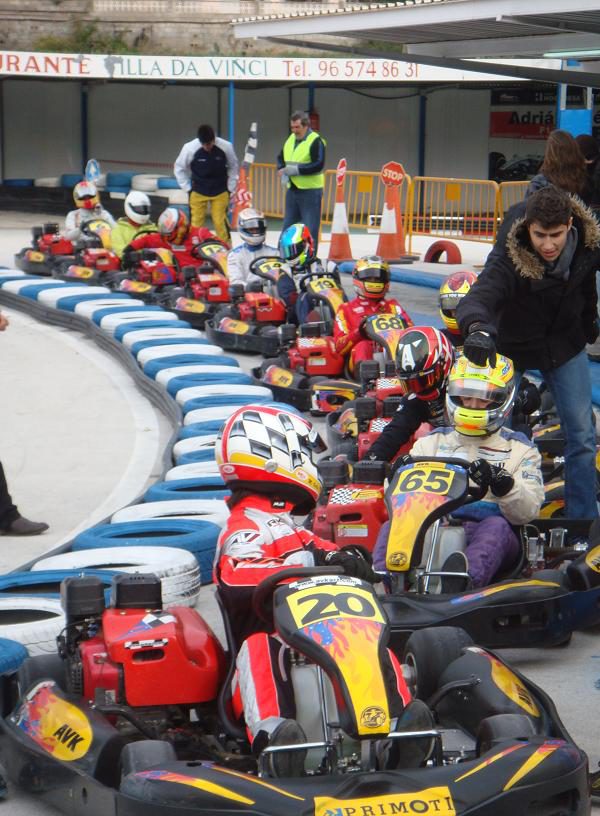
(79, 441)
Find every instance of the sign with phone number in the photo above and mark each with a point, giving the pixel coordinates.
(145, 67)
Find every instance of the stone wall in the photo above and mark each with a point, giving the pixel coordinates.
(146, 26)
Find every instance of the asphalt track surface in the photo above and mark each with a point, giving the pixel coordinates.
(79, 441)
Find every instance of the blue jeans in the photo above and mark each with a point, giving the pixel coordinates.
(304, 207)
(571, 387)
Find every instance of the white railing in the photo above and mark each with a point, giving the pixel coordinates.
(198, 8)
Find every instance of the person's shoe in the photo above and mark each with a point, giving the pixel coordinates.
(287, 763)
(411, 752)
(456, 562)
(24, 527)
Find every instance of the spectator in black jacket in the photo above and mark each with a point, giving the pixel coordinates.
(535, 300)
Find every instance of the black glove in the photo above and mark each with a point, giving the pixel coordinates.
(502, 482)
(480, 472)
(353, 560)
(480, 347)
(398, 463)
(130, 257)
(592, 331)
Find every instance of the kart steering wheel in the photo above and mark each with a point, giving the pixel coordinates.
(262, 597)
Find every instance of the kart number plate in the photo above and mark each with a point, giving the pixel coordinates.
(208, 249)
(33, 255)
(83, 272)
(319, 603)
(189, 305)
(269, 266)
(234, 326)
(385, 322)
(425, 478)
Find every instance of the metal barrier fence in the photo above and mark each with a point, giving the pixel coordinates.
(511, 192)
(463, 209)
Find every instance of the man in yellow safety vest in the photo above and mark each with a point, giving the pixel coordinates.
(301, 164)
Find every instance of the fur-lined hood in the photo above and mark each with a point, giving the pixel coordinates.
(527, 262)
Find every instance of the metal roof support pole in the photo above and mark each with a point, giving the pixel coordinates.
(422, 133)
(311, 97)
(231, 112)
(2, 130)
(84, 109)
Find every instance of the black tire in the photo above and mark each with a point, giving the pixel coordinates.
(429, 652)
(41, 667)
(500, 727)
(138, 756)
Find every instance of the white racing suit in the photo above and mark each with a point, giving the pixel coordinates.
(492, 544)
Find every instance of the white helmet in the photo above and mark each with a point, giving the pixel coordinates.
(137, 207)
(252, 226)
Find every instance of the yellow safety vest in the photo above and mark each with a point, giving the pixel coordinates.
(300, 154)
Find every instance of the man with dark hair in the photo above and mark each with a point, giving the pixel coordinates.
(207, 168)
(535, 301)
(301, 163)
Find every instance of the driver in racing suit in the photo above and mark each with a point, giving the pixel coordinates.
(89, 208)
(504, 463)
(264, 456)
(176, 235)
(371, 281)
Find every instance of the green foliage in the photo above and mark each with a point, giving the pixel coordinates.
(84, 38)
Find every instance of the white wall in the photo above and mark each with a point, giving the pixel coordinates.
(457, 133)
(41, 128)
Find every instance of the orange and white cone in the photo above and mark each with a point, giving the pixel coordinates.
(390, 245)
(339, 248)
(242, 197)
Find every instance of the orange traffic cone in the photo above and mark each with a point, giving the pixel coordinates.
(390, 245)
(339, 248)
(241, 198)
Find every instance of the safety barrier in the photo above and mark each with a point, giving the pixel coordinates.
(463, 209)
(511, 192)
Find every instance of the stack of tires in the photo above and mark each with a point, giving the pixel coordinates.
(173, 529)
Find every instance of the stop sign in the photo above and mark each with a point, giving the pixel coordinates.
(340, 172)
(392, 174)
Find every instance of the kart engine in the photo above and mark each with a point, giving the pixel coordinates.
(133, 653)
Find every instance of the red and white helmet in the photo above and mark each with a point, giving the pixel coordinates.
(452, 291)
(424, 357)
(266, 449)
(85, 195)
(173, 223)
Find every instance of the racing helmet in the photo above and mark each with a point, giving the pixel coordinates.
(252, 226)
(137, 207)
(296, 245)
(85, 195)
(267, 449)
(424, 357)
(493, 386)
(371, 277)
(452, 290)
(173, 224)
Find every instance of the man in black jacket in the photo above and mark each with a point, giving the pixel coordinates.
(535, 300)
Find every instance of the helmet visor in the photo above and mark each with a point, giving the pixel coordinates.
(492, 395)
(371, 273)
(140, 209)
(450, 302)
(421, 382)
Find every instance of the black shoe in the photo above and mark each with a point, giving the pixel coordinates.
(287, 763)
(410, 752)
(23, 527)
(456, 562)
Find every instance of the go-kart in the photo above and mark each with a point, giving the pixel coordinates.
(440, 732)
(532, 604)
(47, 246)
(93, 260)
(457, 732)
(290, 374)
(249, 323)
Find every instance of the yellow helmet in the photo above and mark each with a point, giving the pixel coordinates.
(452, 290)
(479, 399)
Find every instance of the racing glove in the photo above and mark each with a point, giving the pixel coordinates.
(480, 346)
(502, 482)
(480, 472)
(353, 560)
